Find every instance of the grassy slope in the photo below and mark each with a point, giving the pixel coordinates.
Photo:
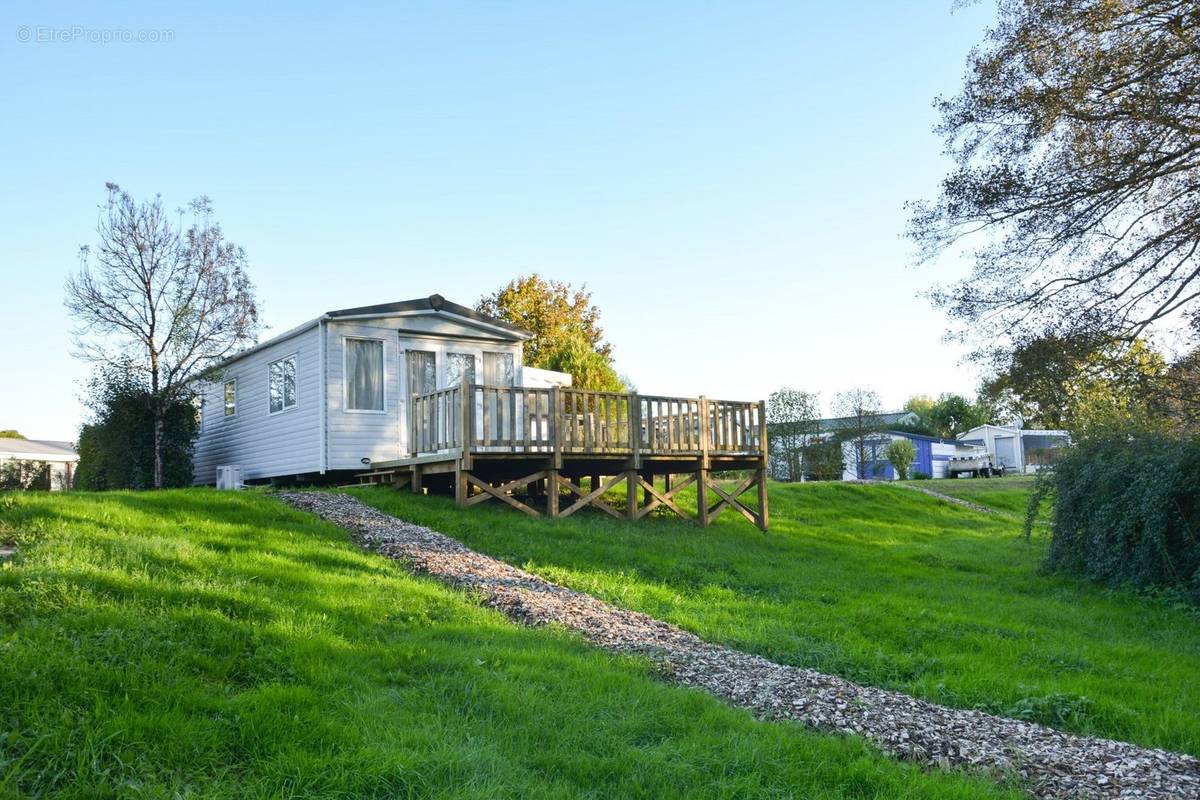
(204, 644)
(1003, 494)
(884, 586)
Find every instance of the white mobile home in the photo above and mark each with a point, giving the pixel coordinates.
(333, 394)
(1019, 449)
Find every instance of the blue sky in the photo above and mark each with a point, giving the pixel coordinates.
(727, 178)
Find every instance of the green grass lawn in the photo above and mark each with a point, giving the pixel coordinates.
(884, 586)
(196, 644)
(1010, 493)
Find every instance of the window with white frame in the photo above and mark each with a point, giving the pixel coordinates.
(498, 369)
(282, 384)
(364, 374)
(460, 367)
(230, 397)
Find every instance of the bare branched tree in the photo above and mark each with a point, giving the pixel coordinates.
(167, 300)
(793, 416)
(859, 423)
(1077, 142)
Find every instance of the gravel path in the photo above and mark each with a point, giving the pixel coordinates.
(1052, 764)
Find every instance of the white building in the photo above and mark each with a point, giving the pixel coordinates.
(1017, 449)
(59, 456)
(334, 393)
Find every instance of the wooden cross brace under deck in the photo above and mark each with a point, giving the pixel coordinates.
(657, 498)
(589, 498)
(731, 499)
(502, 493)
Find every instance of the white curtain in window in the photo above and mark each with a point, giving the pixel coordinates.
(460, 367)
(364, 374)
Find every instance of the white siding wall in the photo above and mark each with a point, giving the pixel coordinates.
(354, 435)
(264, 444)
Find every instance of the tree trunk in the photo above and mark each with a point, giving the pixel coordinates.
(158, 445)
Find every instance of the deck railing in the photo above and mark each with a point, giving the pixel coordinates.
(515, 419)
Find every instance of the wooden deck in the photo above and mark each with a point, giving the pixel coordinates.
(533, 449)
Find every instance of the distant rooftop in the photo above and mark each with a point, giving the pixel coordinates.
(44, 449)
(877, 421)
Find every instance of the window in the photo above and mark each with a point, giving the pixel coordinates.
(422, 371)
(460, 367)
(230, 398)
(364, 374)
(282, 389)
(498, 369)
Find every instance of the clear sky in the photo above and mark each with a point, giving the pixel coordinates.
(727, 178)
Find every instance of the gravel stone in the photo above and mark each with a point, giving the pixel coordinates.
(1050, 764)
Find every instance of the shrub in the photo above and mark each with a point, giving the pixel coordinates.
(29, 475)
(901, 453)
(116, 449)
(921, 476)
(1126, 511)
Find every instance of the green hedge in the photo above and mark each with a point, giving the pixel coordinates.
(1126, 511)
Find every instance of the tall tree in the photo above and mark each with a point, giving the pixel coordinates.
(949, 415)
(551, 310)
(589, 369)
(859, 410)
(167, 297)
(1181, 395)
(792, 415)
(1077, 142)
(566, 329)
(1067, 382)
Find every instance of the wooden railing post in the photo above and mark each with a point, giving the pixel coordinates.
(702, 473)
(412, 425)
(764, 516)
(557, 418)
(467, 416)
(635, 431)
(763, 452)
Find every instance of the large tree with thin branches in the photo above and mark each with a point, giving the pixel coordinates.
(164, 295)
(1077, 182)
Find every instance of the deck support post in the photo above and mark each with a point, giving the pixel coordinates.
(702, 496)
(462, 489)
(552, 495)
(416, 479)
(631, 494)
